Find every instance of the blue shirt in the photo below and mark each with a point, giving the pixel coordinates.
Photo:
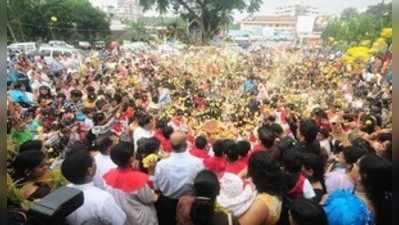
(19, 96)
(175, 175)
(249, 86)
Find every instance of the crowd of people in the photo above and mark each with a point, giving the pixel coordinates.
(204, 136)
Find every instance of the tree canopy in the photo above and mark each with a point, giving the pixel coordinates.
(353, 28)
(30, 20)
(210, 16)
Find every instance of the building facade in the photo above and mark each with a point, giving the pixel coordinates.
(277, 23)
(125, 10)
(129, 10)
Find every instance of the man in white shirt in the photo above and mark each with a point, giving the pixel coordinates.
(174, 177)
(79, 168)
(144, 130)
(103, 159)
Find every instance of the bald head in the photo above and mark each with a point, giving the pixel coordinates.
(178, 140)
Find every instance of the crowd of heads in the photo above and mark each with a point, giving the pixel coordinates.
(308, 118)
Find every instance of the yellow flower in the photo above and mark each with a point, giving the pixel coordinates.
(365, 43)
(150, 161)
(386, 33)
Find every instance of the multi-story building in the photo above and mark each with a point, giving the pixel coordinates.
(285, 18)
(297, 10)
(129, 10)
(277, 23)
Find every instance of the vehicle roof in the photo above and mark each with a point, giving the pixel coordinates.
(57, 48)
(22, 43)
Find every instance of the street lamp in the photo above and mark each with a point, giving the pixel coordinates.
(53, 20)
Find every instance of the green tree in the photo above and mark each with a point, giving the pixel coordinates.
(30, 20)
(210, 16)
(352, 28)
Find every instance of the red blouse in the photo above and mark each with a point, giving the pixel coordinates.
(202, 154)
(216, 164)
(236, 167)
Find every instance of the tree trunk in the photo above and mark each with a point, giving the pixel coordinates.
(11, 32)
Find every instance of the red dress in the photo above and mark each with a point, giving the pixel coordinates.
(216, 164)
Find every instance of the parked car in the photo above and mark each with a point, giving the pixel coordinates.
(84, 44)
(50, 52)
(61, 44)
(23, 46)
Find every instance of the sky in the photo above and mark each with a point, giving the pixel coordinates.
(326, 7)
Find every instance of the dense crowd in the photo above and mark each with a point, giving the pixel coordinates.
(204, 136)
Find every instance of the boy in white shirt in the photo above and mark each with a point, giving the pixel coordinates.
(79, 168)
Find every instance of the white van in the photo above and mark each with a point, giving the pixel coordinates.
(50, 52)
(23, 46)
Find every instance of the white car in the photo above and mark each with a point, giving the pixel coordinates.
(61, 44)
(23, 46)
(84, 44)
(50, 52)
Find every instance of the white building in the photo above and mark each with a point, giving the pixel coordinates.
(129, 10)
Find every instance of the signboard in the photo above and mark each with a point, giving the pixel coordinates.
(305, 24)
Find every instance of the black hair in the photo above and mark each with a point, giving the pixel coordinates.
(121, 154)
(76, 146)
(292, 161)
(307, 212)
(353, 153)
(362, 144)
(76, 165)
(206, 189)
(90, 89)
(218, 148)
(309, 129)
(152, 145)
(117, 98)
(92, 96)
(102, 143)
(266, 137)
(369, 123)
(320, 113)
(315, 163)
(388, 151)
(98, 117)
(276, 129)
(201, 142)
(231, 150)
(141, 148)
(144, 119)
(76, 93)
(100, 103)
(286, 144)
(25, 162)
(383, 137)
(35, 145)
(376, 177)
(266, 174)
(162, 123)
(243, 147)
(167, 131)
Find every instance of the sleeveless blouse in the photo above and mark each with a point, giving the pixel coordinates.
(274, 206)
